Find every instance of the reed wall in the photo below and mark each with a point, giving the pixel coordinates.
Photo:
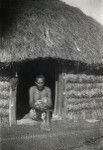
(84, 96)
(4, 101)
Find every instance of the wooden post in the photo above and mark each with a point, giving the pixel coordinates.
(58, 95)
(56, 99)
(55, 113)
(64, 113)
(12, 103)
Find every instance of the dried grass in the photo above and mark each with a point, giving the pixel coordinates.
(82, 100)
(84, 96)
(85, 114)
(85, 93)
(85, 105)
(52, 29)
(4, 112)
(83, 86)
(4, 103)
(4, 86)
(4, 121)
(83, 78)
(4, 95)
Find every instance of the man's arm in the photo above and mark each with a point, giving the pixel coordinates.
(31, 97)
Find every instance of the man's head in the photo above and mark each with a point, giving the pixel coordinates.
(40, 81)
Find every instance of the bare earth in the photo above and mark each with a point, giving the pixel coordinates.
(64, 135)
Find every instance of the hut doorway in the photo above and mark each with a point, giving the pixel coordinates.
(28, 71)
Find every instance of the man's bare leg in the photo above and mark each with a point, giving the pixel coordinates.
(46, 121)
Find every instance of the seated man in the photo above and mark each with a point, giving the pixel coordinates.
(40, 98)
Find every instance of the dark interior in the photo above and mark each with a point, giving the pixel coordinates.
(27, 73)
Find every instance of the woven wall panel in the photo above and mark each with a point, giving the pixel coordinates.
(82, 78)
(85, 114)
(83, 100)
(83, 86)
(4, 102)
(4, 112)
(84, 96)
(4, 121)
(85, 93)
(85, 105)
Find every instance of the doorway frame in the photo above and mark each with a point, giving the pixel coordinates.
(58, 101)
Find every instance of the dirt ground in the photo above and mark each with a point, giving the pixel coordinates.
(62, 136)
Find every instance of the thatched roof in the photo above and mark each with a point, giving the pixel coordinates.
(50, 28)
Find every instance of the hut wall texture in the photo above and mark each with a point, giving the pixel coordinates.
(4, 102)
(84, 96)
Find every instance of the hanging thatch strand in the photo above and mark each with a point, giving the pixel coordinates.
(46, 28)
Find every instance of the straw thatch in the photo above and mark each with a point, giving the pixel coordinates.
(45, 28)
(83, 78)
(88, 86)
(4, 112)
(4, 95)
(4, 101)
(85, 93)
(89, 105)
(82, 86)
(84, 96)
(4, 86)
(4, 121)
(82, 100)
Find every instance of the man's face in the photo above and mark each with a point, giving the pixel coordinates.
(40, 83)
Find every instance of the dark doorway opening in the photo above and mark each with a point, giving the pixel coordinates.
(27, 73)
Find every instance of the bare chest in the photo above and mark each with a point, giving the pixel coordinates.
(38, 95)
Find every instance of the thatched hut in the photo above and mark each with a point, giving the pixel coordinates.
(59, 41)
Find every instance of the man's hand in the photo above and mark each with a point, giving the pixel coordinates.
(40, 104)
